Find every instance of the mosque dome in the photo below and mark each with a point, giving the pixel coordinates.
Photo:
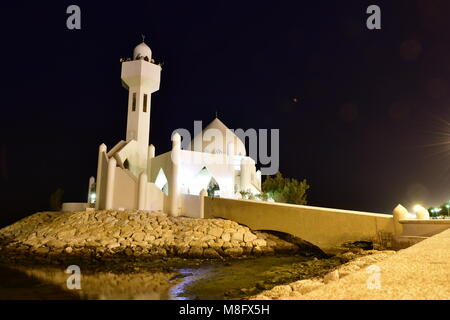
(229, 143)
(142, 51)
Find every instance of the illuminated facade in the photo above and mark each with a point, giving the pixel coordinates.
(131, 176)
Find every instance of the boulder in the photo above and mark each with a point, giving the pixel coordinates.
(305, 286)
(211, 253)
(238, 236)
(138, 236)
(259, 242)
(226, 237)
(113, 245)
(283, 290)
(42, 250)
(66, 234)
(249, 237)
(215, 232)
(195, 252)
(68, 250)
(331, 276)
(233, 252)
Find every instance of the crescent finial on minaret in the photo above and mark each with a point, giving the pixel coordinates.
(143, 37)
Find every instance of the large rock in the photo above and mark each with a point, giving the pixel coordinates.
(331, 276)
(233, 252)
(259, 242)
(113, 245)
(56, 243)
(42, 250)
(238, 236)
(211, 253)
(68, 250)
(283, 290)
(66, 233)
(216, 232)
(195, 252)
(138, 236)
(305, 286)
(249, 237)
(226, 237)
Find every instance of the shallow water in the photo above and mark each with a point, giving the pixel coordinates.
(203, 280)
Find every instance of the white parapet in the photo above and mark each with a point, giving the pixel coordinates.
(98, 192)
(173, 183)
(74, 206)
(203, 194)
(399, 213)
(110, 183)
(142, 191)
(421, 213)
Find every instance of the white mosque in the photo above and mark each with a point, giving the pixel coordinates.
(131, 176)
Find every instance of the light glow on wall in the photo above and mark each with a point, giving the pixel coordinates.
(200, 181)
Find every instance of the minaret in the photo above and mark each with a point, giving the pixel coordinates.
(141, 78)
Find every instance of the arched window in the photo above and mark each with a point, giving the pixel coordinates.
(133, 105)
(145, 102)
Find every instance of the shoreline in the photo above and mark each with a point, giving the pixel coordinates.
(358, 261)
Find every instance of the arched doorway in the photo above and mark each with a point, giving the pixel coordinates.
(161, 182)
(204, 180)
(213, 188)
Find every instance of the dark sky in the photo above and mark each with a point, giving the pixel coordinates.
(372, 105)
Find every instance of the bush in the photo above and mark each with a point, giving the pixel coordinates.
(285, 190)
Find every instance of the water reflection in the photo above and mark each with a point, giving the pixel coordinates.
(178, 279)
(189, 276)
(108, 285)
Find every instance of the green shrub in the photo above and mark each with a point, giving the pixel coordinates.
(287, 190)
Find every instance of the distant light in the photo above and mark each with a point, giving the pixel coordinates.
(93, 197)
(417, 207)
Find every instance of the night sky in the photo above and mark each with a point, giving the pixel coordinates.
(363, 115)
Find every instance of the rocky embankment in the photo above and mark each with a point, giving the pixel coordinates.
(132, 234)
(357, 260)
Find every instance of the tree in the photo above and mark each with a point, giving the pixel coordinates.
(287, 190)
(440, 212)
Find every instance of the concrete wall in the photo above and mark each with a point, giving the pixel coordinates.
(191, 206)
(125, 190)
(155, 198)
(101, 196)
(326, 228)
(424, 228)
(163, 161)
(74, 206)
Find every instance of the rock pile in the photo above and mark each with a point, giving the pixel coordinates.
(105, 234)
